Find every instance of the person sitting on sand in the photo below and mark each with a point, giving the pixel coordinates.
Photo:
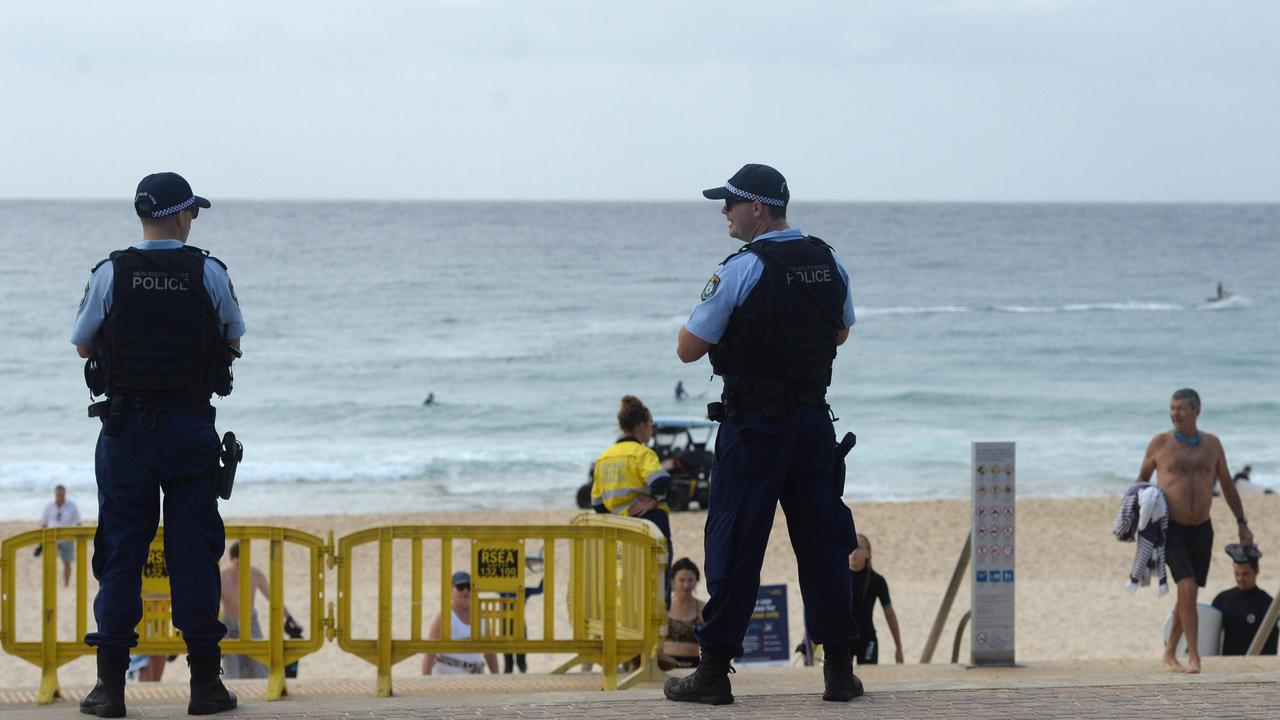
(459, 629)
(684, 617)
(868, 586)
(1186, 461)
(1244, 606)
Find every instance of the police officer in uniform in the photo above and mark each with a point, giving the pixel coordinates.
(771, 317)
(159, 325)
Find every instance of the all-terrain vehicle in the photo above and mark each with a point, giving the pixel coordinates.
(689, 444)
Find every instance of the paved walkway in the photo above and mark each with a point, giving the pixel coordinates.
(1083, 691)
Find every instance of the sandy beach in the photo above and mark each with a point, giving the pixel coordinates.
(1071, 573)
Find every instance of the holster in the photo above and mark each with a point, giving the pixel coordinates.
(232, 454)
(839, 470)
(113, 424)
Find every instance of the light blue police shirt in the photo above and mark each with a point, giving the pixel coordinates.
(97, 297)
(733, 281)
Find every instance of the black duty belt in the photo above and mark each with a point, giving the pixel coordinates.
(191, 406)
(782, 403)
(751, 401)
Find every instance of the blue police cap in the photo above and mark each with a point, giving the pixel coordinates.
(163, 194)
(756, 182)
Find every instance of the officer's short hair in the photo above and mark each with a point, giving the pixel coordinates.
(1191, 396)
(777, 212)
(143, 208)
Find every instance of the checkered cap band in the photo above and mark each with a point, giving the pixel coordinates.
(752, 196)
(166, 212)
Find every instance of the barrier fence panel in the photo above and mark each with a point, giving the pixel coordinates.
(609, 572)
(616, 597)
(615, 609)
(275, 650)
(156, 633)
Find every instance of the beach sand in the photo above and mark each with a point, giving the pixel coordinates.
(1071, 602)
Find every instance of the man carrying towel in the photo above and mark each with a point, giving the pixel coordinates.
(1186, 462)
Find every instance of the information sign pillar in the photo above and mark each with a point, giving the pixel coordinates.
(993, 553)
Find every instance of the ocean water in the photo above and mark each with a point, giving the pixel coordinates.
(1063, 328)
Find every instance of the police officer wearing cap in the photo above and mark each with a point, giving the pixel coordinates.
(771, 317)
(159, 325)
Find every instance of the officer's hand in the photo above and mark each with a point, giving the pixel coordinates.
(642, 505)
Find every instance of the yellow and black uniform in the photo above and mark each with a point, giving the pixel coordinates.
(625, 471)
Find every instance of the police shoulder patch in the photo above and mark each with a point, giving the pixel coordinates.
(712, 285)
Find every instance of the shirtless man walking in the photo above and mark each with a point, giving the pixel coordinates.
(1186, 462)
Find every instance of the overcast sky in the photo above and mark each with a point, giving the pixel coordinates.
(430, 99)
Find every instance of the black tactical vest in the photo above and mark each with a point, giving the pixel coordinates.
(784, 335)
(161, 336)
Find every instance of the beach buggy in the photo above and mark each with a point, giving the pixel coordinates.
(689, 444)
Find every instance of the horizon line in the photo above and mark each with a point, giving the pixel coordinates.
(814, 201)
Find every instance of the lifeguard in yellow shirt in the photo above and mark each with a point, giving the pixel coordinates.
(628, 478)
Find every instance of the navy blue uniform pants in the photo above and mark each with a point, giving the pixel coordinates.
(759, 463)
(174, 452)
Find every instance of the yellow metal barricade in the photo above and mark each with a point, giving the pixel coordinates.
(616, 608)
(275, 650)
(47, 653)
(615, 595)
(156, 634)
(614, 588)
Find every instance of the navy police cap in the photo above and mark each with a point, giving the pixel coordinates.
(460, 578)
(759, 183)
(163, 194)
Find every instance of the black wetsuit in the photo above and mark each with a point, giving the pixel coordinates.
(868, 586)
(1241, 613)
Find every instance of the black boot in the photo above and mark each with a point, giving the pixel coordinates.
(106, 699)
(709, 684)
(837, 670)
(208, 694)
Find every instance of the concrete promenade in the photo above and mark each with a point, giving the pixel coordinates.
(1238, 688)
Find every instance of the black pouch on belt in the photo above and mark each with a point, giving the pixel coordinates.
(94, 377)
(114, 424)
(232, 454)
(716, 411)
(838, 471)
